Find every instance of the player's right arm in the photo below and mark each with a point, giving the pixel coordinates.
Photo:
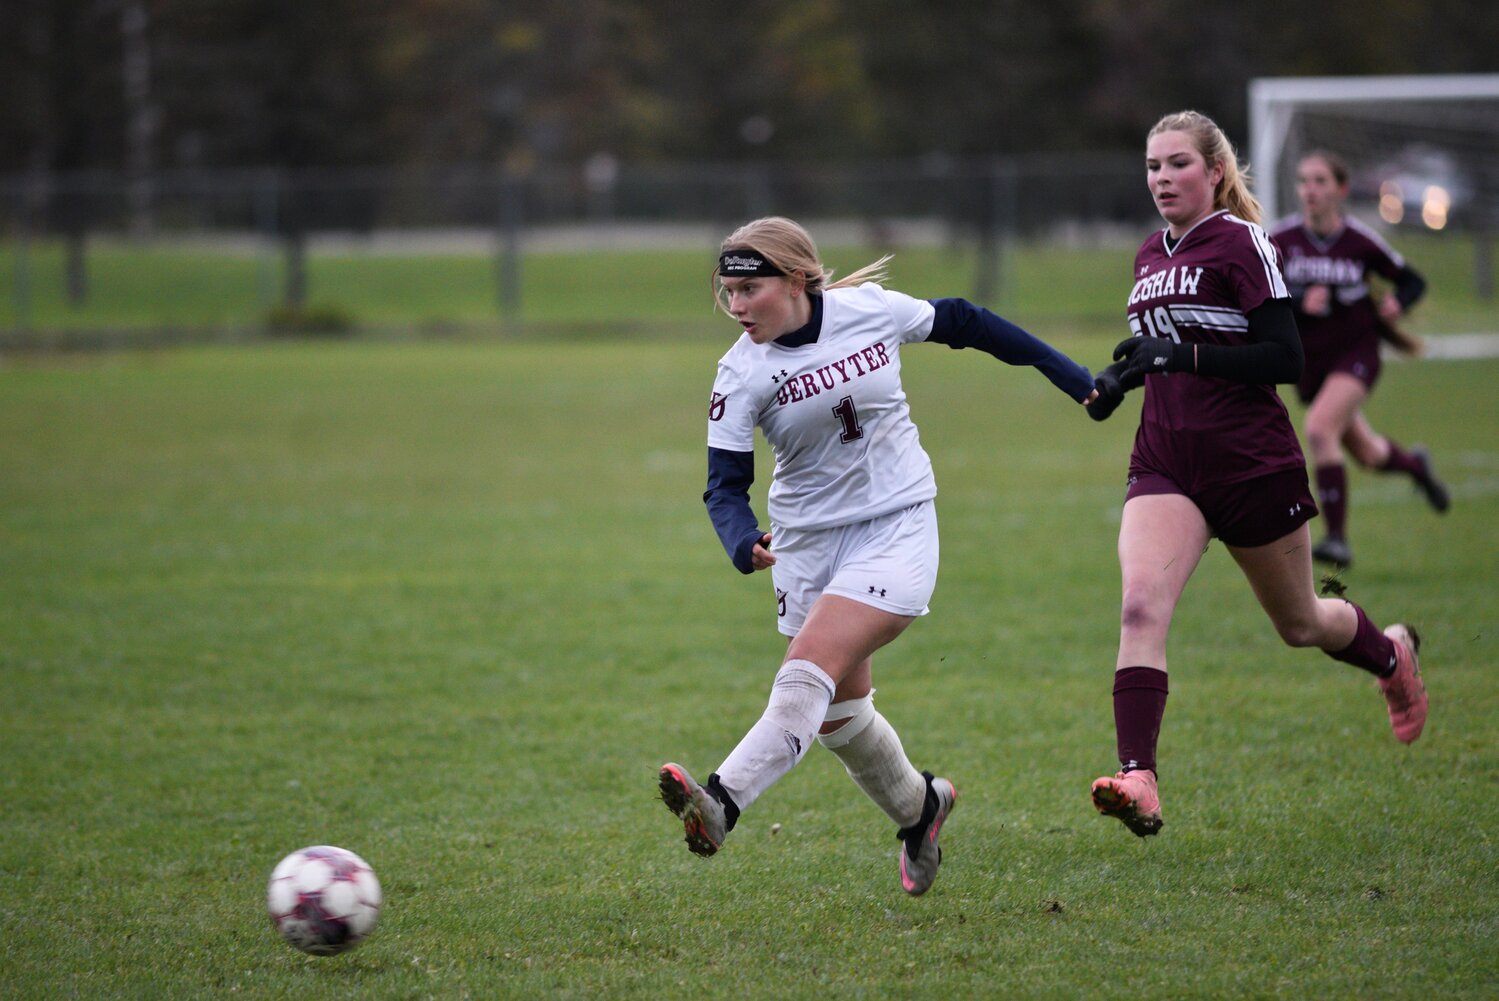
(732, 411)
(730, 475)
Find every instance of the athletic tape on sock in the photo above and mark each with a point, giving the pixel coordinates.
(849, 708)
(859, 713)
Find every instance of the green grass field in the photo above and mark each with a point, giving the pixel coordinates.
(450, 605)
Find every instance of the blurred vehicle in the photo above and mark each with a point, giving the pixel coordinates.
(1421, 186)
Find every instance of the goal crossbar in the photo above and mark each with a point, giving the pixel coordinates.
(1273, 100)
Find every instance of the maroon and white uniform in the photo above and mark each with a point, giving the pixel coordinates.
(1198, 432)
(1346, 337)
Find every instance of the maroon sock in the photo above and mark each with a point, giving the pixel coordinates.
(1332, 491)
(1139, 703)
(1371, 649)
(1400, 461)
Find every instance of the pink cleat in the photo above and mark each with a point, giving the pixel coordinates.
(1132, 797)
(920, 855)
(702, 816)
(1404, 691)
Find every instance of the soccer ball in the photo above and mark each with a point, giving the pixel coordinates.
(323, 900)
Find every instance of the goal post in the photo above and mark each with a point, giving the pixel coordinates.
(1373, 116)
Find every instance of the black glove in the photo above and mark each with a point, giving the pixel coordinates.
(1143, 356)
(1110, 393)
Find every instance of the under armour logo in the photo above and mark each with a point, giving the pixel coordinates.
(1144, 268)
(1294, 511)
(879, 591)
(777, 378)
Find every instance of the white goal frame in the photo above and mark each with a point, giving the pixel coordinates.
(1274, 100)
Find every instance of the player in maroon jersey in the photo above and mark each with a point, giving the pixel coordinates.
(1216, 454)
(1327, 259)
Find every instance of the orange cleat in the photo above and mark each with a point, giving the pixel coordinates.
(1132, 797)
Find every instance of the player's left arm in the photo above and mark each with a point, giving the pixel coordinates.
(958, 323)
(1389, 264)
(1410, 286)
(1273, 356)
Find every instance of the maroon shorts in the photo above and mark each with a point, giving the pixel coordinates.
(1248, 513)
(1360, 360)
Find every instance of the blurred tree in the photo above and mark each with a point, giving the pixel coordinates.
(1174, 54)
(775, 80)
(61, 76)
(305, 83)
(284, 83)
(965, 78)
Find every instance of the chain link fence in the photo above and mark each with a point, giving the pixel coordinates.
(276, 217)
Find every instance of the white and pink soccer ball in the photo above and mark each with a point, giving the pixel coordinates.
(323, 899)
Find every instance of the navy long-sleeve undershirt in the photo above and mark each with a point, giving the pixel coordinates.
(957, 323)
(730, 475)
(961, 324)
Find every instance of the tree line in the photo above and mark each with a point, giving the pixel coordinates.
(135, 86)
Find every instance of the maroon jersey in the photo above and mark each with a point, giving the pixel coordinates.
(1342, 262)
(1197, 430)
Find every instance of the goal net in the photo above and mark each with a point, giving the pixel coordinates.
(1422, 150)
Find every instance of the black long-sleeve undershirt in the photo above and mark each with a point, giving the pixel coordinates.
(1409, 287)
(1274, 357)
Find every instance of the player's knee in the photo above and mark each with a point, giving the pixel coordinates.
(1367, 456)
(799, 696)
(1298, 630)
(796, 676)
(1140, 612)
(1322, 437)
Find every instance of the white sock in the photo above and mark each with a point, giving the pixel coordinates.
(871, 751)
(798, 702)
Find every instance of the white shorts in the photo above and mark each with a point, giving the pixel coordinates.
(889, 562)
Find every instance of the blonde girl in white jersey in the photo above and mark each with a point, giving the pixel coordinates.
(852, 548)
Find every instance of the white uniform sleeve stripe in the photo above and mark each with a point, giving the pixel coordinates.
(1267, 253)
(1209, 319)
(1230, 310)
(1268, 258)
(1220, 313)
(1375, 238)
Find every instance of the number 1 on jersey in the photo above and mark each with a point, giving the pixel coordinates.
(849, 417)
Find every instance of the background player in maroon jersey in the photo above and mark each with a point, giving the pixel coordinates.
(1327, 257)
(1216, 453)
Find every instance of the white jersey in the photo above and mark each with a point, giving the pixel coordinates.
(834, 412)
